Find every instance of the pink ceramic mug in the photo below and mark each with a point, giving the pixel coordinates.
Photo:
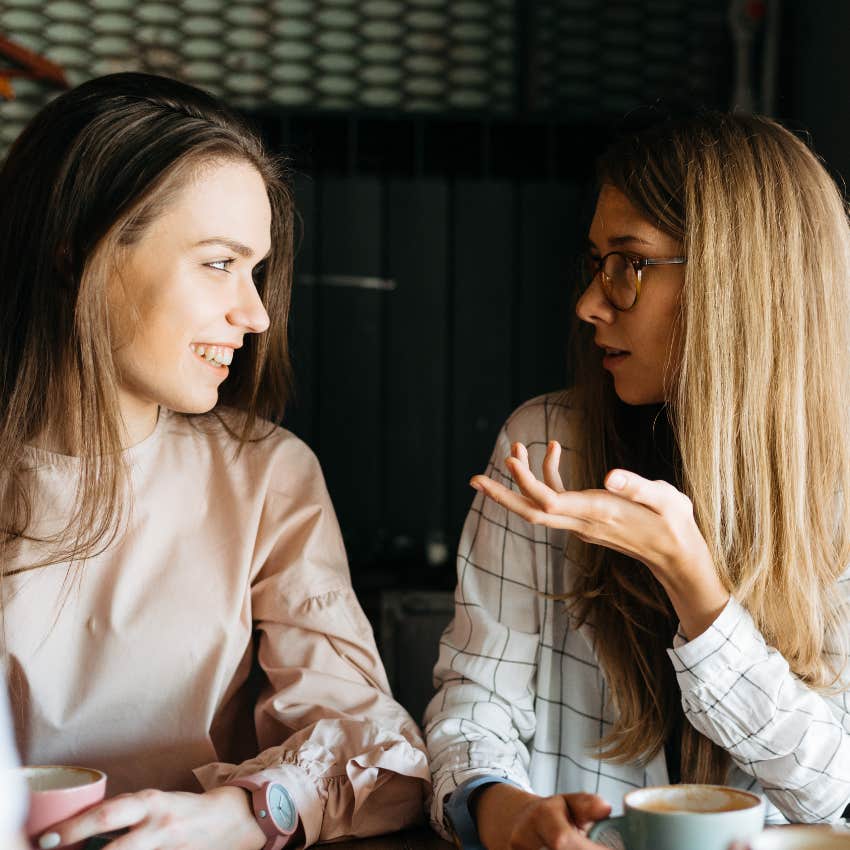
(58, 792)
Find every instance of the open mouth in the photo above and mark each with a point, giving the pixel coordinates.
(219, 356)
(613, 356)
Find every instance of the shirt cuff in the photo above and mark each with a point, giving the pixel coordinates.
(731, 637)
(456, 810)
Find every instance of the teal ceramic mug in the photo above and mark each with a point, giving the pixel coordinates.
(683, 817)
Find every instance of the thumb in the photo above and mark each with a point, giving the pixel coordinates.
(584, 809)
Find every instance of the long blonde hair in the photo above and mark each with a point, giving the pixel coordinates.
(83, 181)
(757, 411)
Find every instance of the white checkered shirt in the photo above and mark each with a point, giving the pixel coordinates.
(521, 694)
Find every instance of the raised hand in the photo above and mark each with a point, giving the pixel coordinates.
(650, 521)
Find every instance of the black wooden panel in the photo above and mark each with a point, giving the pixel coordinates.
(549, 238)
(409, 630)
(483, 331)
(349, 406)
(303, 324)
(416, 363)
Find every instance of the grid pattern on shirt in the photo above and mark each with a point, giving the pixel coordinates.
(521, 694)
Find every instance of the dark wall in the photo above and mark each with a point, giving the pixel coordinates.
(815, 77)
(434, 292)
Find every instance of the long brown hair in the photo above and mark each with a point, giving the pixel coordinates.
(85, 178)
(754, 430)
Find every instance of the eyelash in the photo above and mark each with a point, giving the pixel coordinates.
(257, 274)
(215, 263)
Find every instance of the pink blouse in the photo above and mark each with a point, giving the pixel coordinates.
(217, 636)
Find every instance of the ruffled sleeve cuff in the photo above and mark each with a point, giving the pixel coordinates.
(380, 789)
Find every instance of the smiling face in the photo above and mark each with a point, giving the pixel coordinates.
(638, 342)
(185, 295)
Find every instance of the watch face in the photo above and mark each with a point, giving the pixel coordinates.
(281, 808)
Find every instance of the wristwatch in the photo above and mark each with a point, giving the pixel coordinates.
(273, 808)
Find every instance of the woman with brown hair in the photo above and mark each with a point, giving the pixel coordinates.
(176, 598)
(652, 581)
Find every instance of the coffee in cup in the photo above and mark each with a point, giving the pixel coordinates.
(58, 792)
(672, 817)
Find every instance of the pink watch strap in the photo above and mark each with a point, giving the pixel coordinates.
(260, 787)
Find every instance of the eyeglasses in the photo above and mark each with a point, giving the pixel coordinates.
(620, 275)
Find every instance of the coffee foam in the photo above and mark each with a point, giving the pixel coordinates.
(54, 778)
(704, 799)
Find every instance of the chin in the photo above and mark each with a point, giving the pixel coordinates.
(195, 405)
(636, 396)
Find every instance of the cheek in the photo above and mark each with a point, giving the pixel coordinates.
(146, 331)
(658, 326)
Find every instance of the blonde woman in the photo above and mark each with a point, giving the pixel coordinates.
(652, 581)
(177, 604)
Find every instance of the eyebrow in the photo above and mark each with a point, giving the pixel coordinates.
(237, 247)
(618, 241)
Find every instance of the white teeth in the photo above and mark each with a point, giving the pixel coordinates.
(219, 354)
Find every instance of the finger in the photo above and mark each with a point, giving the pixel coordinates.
(582, 505)
(521, 505)
(554, 829)
(655, 495)
(529, 484)
(520, 452)
(117, 813)
(584, 809)
(552, 825)
(140, 838)
(551, 464)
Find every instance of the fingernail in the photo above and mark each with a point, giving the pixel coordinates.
(475, 485)
(616, 481)
(49, 840)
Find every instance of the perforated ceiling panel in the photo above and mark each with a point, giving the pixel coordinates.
(439, 55)
(580, 59)
(601, 58)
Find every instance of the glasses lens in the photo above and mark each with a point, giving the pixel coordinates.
(619, 280)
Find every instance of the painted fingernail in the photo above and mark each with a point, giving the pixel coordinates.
(49, 840)
(616, 481)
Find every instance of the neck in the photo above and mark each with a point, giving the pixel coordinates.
(138, 420)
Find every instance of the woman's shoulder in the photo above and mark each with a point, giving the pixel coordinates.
(551, 416)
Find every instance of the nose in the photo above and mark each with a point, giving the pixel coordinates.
(248, 312)
(593, 307)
